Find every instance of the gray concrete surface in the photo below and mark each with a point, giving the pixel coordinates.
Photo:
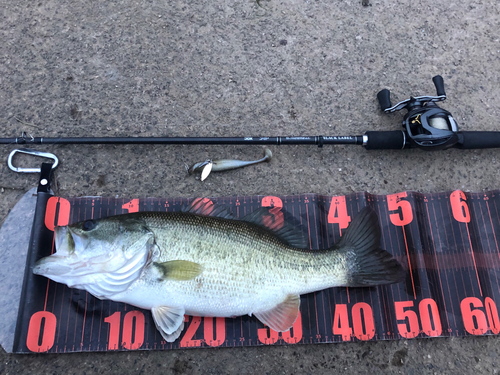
(234, 68)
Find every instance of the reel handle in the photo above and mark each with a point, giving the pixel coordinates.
(384, 99)
(439, 84)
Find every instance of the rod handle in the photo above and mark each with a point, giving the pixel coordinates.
(385, 140)
(471, 140)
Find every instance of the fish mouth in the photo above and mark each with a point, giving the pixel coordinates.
(64, 269)
(52, 267)
(59, 264)
(63, 239)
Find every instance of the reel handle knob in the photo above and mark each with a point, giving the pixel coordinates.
(439, 84)
(384, 99)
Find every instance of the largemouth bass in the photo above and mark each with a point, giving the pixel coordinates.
(188, 263)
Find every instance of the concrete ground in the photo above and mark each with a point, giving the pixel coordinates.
(237, 68)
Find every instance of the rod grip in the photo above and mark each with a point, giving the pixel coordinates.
(385, 140)
(471, 140)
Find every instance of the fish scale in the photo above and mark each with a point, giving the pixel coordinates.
(237, 263)
(230, 243)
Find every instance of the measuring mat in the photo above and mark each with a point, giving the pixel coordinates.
(447, 243)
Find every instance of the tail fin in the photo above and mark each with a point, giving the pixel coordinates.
(367, 263)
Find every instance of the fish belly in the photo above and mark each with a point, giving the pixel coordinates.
(197, 300)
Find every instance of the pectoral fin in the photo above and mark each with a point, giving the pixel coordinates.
(180, 270)
(281, 317)
(169, 321)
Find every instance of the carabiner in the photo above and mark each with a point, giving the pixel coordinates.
(34, 153)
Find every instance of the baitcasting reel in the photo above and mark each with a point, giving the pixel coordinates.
(427, 125)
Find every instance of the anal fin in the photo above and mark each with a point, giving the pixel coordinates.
(281, 317)
(169, 321)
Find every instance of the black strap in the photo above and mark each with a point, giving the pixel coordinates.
(45, 178)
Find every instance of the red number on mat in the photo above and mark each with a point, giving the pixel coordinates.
(187, 339)
(429, 317)
(341, 324)
(114, 330)
(294, 334)
(132, 206)
(276, 219)
(220, 331)
(133, 337)
(395, 202)
(459, 206)
(41, 340)
(206, 204)
(363, 326)
(475, 321)
(57, 212)
(337, 214)
(132, 332)
(410, 328)
(208, 331)
(362, 314)
(269, 336)
(492, 314)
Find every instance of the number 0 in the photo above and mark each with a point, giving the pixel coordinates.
(57, 212)
(41, 339)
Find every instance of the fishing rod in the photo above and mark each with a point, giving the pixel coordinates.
(425, 125)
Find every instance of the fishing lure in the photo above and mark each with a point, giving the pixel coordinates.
(208, 166)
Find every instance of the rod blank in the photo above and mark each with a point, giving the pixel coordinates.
(316, 140)
(371, 140)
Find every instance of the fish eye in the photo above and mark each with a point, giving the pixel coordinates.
(88, 225)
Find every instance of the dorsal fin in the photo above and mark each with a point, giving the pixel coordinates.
(290, 232)
(204, 206)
